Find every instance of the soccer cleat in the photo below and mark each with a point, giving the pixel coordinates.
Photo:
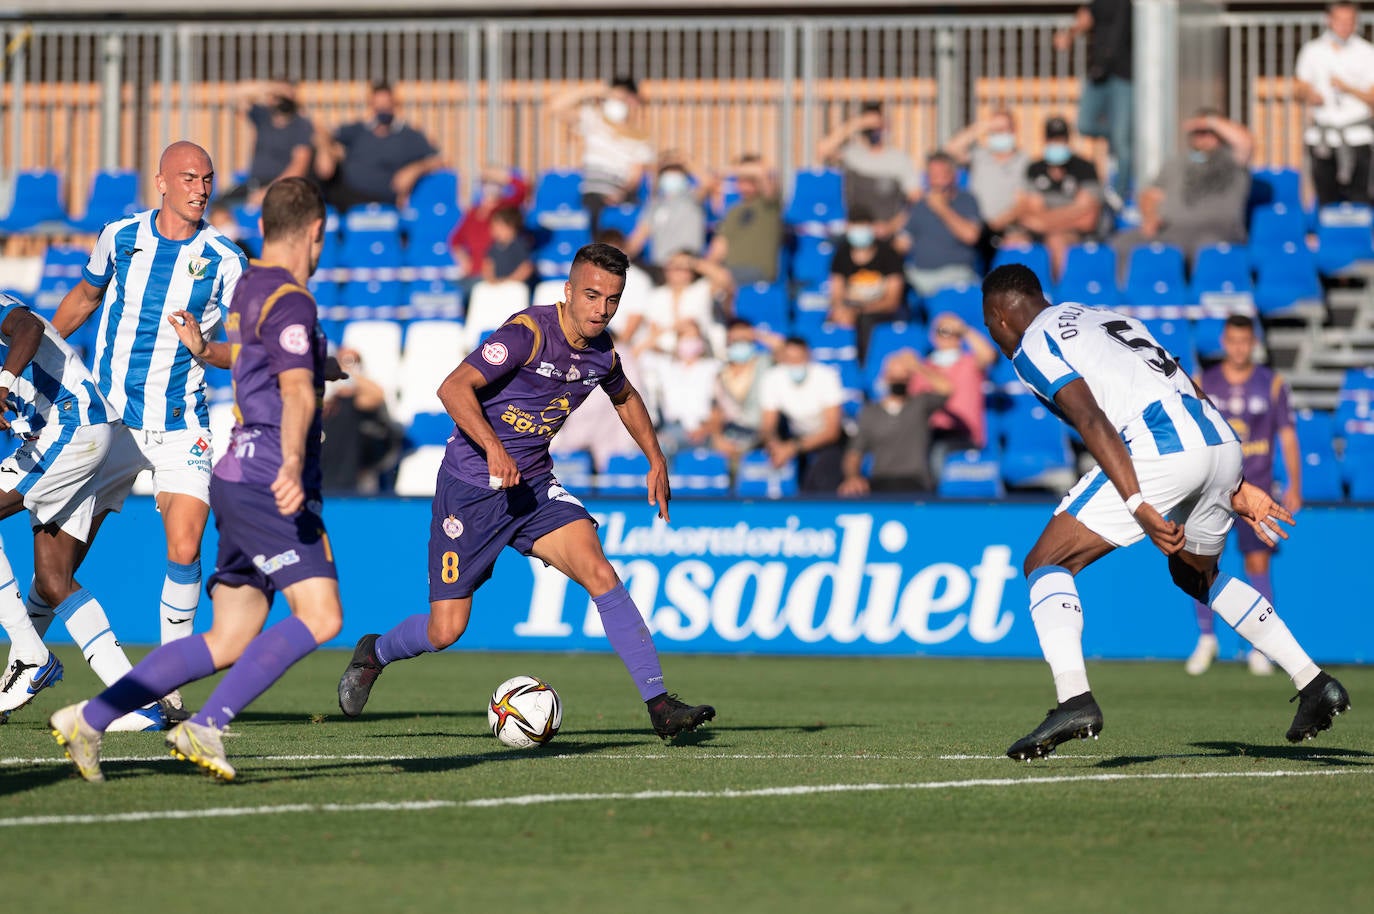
(79, 739)
(1319, 703)
(1200, 660)
(144, 720)
(671, 717)
(1259, 664)
(173, 708)
(1078, 717)
(23, 681)
(200, 745)
(357, 680)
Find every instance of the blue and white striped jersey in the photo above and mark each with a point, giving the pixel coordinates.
(1139, 386)
(55, 388)
(141, 367)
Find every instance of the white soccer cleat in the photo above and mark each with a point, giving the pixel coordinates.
(1259, 664)
(22, 681)
(1200, 660)
(200, 745)
(80, 739)
(144, 720)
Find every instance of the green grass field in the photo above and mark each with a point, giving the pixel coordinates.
(823, 785)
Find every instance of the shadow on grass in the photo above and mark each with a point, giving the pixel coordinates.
(337, 717)
(1216, 749)
(14, 780)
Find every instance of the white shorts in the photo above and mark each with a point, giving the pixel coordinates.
(57, 474)
(180, 462)
(1192, 488)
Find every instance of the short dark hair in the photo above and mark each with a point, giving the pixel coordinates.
(380, 85)
(794, 340)
(612, 236)
(604, 257)
(1240, 322)
(736, 322)
(871, 104)
(860, 213)
(289, 206)
(940, 155)
(507, 215)
(626, 82)
(1013, 278)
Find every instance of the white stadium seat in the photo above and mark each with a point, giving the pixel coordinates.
(548, 292)
(433, 349)
(418, 471)
(491, 303)
(379, 344)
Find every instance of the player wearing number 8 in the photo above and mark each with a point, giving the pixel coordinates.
(1169, 467)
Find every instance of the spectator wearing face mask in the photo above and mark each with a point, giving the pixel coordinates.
(866, 283)
(377, 160)
(283, 142)
(996, 171)
(962, 355)
(501, 188)
(688, 380)
(1061, 203)
(615, 148)
(750, 236)
(942, 229)
(675, 219)
(693, 288)
(879, 178)
(894, 430)
(801, 402)
(737, 411)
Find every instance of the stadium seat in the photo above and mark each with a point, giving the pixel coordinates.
(1315, 428)
(1358, 379)
(373, 299)
(965, 301)
(700, 473)
(221, 426)
(971, 474)
(1358, 467)
(1288, 284)
(1037, 450)
(811, 260)
(432, 210)
(1321, 478)
(575, 470)
(557, 203)
(549, 291)
(372, 218)
(113, 195)
(554, 257)
(1033, 256)
(764, 305)
(1091, 262)
(433, 290)
(1176, 336)
(419, 471)
(379, 344)
(37, 203)
(1345, 237)
(490, 304)
(62, 268)
(1273, 226)
(1088, 292)
(624, 475)
(433, 348)
(1221, 281)
(817, 203)
(833, 344)
(756, 477)
(429, 428)
(1207, 338)
(1154, 276)
(622, 218)
(1354, 415)
(887, 339)
(1276, 185)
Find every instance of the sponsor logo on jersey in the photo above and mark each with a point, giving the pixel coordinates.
(200, 448)
(453, 527)
(295, 339)
(277, 562)
(572, 374)
(495, 353)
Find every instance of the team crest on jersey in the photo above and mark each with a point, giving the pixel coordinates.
(495, 353)
(196, 266)
(295, 339)
(453, 527)
(573, 374)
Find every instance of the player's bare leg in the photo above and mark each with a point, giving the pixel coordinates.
(445, 624)
(1065, 548)
(575, 550)
(183, 518)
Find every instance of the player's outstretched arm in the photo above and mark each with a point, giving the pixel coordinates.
(1077, 403)
(297, 386)
(458, 393)
(629, 405)
(1254, 506)
(25, 333)
(77, 305)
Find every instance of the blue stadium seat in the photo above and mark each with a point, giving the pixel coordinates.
(576, 471)
(972, 474)
(965, 301)
(811, 260)
(62, 268)
(887, 339)
(1033, 256)
(1091, 262)
(1276, 185)
(429, 428)
(371, 217)
(817, 204)
(1315, 429)
(325, 291)
(1176, 336)
(113, 195)
(624, 475)
(1222, 280)
(1288, 283)
(700, 473)
(432, 299)
(1035, 443)
(1355, 415)
(557, 203)
(372, 243)
(1271, 227)
(1154, 276)
(1321, 477)
(1358, 467)
(37, 203)
(623, 218)
(764, 305)
(1207, 338)
(833, 344)
(432, 210)
(372, 299)
(553, 259)
(1088, 292)
(1345, 236)
(758, 478)
(1358, 379)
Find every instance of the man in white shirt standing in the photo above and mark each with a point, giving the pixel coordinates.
(1334, 77)
(801, 402)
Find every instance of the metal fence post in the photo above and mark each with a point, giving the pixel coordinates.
(112, 65)
(786, 148)
(494, 69)
(1156, 97)
(166, 75)
(949, 85)
(185, 68)
(809, 67)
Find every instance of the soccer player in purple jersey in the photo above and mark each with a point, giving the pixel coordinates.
(1254, 400)
(265, 496)
(496, 487)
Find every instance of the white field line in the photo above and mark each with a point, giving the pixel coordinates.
(546, 798)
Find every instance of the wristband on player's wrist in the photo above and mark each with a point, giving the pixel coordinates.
(7, 379)
(1134, 502)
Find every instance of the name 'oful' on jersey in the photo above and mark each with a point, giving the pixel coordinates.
(140, 364)
(1138, 385)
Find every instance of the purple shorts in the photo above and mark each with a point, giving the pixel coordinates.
(261, 549)
(1247, 540)
(470, 526)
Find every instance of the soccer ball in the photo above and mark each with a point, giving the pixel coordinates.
(524, 712)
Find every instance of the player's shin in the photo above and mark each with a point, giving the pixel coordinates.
(263, 662)
(166, 668)
(27, 646)
(630, 638)
(409, 638)
(1058, 618)
(40, 613)
(89, 627)
(1255, 619)
(180, 598)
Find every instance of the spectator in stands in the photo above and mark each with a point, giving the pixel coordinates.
(737, 410)
(866, 285)
(222, 218)
(963, 356)
(283, 145)
(693, 290)
(895, 430)
(749, 238)
(801, 402)
(508, 255)
(1061, 204)
(595, 426)
(377, 160)
(942, 230)
(1106, 107)
(675, 218)
(360, 440)
(1334, 77)
(615, 148)
(1198, 199)
(690, 373)
(996, 172)
(501, 188)
(878, 178)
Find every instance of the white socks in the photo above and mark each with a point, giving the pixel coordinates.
(1254, 619)
(1058, 619)
(25, 642)
(180, 597)
(90, 628)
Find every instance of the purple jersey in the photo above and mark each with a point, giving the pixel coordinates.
(1257, 409)
(272, 328)
(535, 378)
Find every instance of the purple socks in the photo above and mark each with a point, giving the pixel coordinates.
(628, 634)
(410, 638)
(264, 661)
(169, 667)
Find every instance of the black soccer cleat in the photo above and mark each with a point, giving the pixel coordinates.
(173, 713)
(1319, 703)
(356, 684)
(671, 717)
(1078, 717)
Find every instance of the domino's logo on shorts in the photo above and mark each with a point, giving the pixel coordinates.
(277, 562)
(200, 448)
